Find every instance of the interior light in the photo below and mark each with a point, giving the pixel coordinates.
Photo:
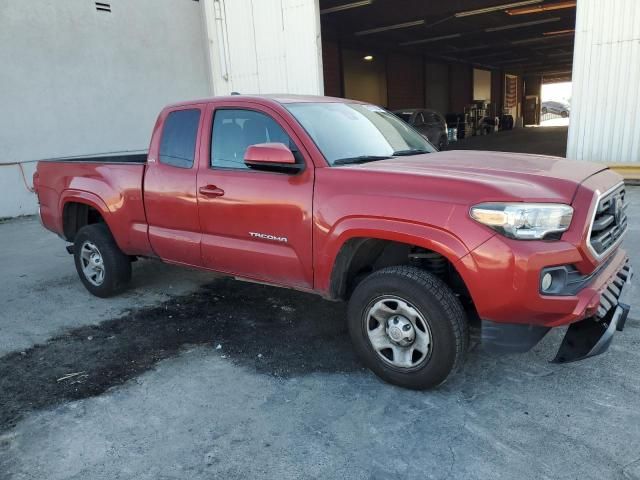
(368, 58)
(346, 6)
(523, 24)
(542, 8)
(432, 39)
(497, 8)
(390, 27)
(542, 38)
(559, 32)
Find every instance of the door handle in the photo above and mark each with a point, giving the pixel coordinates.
(211, 191)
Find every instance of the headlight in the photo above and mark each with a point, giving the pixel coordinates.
(524, 221)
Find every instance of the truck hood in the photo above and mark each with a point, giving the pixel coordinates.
(496, 175)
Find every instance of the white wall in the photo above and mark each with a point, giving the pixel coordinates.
(605, 107)
(77, 81)
(264, 46)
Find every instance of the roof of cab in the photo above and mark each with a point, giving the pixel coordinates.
(267, 98)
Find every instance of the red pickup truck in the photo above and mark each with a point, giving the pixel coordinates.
(343, 199)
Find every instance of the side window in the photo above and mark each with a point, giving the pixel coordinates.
(235, 130)
(431, 118)
(419, 119)
(178, 143)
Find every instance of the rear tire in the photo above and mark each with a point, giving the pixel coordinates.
(102, 267)
(411, 302)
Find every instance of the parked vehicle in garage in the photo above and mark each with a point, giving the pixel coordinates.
(343, 199)
(429, 123)
(557, 108)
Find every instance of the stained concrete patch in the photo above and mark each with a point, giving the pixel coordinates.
(279, 332)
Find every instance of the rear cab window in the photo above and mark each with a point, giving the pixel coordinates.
(179, 136)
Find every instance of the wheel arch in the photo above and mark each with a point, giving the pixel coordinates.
(78, 209)
(356, 247)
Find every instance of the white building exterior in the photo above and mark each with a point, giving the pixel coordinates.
(605, 108)
(77, 79)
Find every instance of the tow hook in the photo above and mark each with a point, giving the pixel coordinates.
(70, 249)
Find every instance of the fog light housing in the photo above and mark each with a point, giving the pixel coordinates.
(554, 280)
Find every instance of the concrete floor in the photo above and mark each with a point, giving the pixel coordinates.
(548, 140)
(192, 376)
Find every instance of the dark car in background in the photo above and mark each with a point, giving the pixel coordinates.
(431, 124)
(557, 108)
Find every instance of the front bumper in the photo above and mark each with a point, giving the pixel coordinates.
(503, 278)
(585, 338)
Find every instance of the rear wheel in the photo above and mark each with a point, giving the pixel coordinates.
(103, 268)
(544, 110)
(408, 327)
(564, 114)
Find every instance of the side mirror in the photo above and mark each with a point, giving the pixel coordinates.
(272, 157)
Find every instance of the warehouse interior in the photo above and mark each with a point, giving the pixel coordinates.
(474, 58)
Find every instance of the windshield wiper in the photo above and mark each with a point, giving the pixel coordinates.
(411, 151)
(360, 159)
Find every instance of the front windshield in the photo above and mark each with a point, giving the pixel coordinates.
(356, 133)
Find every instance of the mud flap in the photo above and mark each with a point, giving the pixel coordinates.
(591, 337)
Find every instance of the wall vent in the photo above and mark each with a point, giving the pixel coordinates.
(103, 7)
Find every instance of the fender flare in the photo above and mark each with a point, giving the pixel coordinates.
(421, 235)
(87, 198)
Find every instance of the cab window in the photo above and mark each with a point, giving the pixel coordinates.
(179, 134)
(235, 130)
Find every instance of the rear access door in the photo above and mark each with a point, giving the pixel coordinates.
(170, 186)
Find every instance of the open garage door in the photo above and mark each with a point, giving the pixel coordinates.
(479, 64)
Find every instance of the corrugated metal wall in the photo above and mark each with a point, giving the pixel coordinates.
(264, 46)
(605, 108)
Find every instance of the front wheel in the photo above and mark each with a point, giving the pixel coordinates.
(103, 268)
(408, 327)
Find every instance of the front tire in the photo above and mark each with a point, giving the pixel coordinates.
(102, 267)
(408, 327)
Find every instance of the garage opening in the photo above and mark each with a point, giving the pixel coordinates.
(483, 67)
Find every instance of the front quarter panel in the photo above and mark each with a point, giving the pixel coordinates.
(351, 203)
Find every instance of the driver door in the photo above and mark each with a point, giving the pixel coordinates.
(255, 224)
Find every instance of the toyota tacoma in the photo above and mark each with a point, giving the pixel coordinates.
(343, 199)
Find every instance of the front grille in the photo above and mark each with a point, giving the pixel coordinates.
(610, 295)
(609, 222)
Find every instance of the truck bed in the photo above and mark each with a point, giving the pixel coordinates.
(111, 186)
